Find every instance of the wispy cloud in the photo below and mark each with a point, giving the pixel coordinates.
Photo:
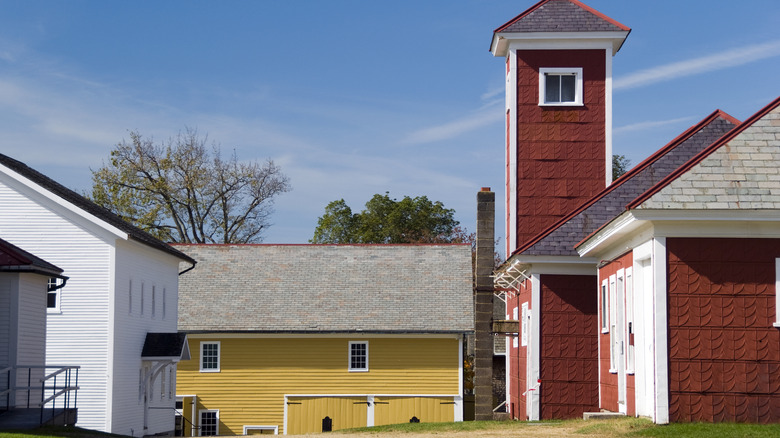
(648, 125)
(453, 129)
(717, 61)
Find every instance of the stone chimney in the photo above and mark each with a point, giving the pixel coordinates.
(483, 305)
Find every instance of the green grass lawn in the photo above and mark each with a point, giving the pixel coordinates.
(623, 427)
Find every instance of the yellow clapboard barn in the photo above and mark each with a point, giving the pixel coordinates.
(295, 339)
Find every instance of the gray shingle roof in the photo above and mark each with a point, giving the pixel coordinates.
(327, 288)
(89, 206)
(560, 16)
(562, 238)
(742, 174)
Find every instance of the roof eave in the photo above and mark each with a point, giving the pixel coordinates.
(618, 227)
(501, 41)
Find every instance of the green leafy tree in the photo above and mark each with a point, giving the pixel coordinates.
(183, 191)
(620, 165)
(386, 220)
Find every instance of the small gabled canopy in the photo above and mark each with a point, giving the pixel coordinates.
(15, 259)
(166, 346)
(557, 19)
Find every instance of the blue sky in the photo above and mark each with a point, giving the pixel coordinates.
(350, 98)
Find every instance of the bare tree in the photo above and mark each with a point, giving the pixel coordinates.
(184, 191)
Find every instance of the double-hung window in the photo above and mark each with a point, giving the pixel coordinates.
(209, 357)
(358, 356)
(560, 86)
(209, 422)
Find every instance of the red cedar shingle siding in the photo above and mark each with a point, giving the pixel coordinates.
(724, 358)
(561, 150)
(569, 346)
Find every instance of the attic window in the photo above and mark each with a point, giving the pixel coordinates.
(560, 86)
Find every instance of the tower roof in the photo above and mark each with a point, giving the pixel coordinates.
(559, 17)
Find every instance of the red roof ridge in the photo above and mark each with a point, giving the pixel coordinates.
(625, 177)
(703, 154)
(575, 2)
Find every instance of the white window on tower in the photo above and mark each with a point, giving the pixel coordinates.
(560, 87)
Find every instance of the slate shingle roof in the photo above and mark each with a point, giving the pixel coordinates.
(13, 258)
(561, 16)
(560, 239)
(327, 288)
(89, 206)
(739, 172)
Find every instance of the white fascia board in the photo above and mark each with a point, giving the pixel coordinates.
(713, 223)
(562, 265)
(505, 41)
(89, 217)
(710, 215)
(620, 226)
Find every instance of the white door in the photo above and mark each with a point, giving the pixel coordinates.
(643, 338)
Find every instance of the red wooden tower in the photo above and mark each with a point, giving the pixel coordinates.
(558, 111)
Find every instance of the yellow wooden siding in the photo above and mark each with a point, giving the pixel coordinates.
(392, 410)
(256, 373)
(305, 414)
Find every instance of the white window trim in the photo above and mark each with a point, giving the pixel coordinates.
(349, 357)
(576, 71)
(612, 320)
(58, 299)
(523, 325)
(130, 297)
(219, 357)
(777, 293)
(604, 309)
(200, 421)
(154, 300)
(629, 293)
(142, 299)
(248, 428)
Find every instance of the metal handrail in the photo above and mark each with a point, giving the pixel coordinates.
(46, 385)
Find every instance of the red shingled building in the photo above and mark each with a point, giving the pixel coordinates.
(653, 295)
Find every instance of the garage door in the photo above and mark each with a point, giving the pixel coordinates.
(393, 410)
(308, 414)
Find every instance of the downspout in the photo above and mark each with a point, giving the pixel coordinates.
(188, 269)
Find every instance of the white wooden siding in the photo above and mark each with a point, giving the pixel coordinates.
(77, 336)
(7, 282)
(31, 345)
(158, 270)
